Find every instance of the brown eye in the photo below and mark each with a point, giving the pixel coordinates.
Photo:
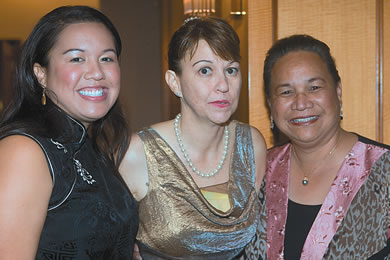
(77, 60)
(205, 71)
(232, 71)
(106, 59)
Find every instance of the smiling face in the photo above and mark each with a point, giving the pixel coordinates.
(304, 101)
(210, 86)
(83, 75)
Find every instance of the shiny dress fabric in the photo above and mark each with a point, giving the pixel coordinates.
(177, 222)
(96, 220)
(354, 219)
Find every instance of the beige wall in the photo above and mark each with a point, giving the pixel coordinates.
(18, 17)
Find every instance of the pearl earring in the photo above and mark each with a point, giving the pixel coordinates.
(272, 123)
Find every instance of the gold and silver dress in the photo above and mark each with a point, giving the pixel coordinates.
(177, 222)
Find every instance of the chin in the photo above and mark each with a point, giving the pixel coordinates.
(222, 120)
(94, 117)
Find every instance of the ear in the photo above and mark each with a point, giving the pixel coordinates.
(173, 82)
(40, 73)
(339, 91)
(268, 103)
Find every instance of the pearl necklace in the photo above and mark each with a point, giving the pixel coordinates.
(188, 159)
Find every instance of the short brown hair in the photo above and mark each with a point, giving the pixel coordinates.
(218, 34)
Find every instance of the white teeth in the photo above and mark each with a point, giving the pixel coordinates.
(92, 93)
(304, 120)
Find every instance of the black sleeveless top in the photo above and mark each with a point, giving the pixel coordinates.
(300, 218)
(91, 214)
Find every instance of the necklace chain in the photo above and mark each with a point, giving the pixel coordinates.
(188, 159)
(305, 180)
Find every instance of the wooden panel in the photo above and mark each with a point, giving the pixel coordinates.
(259, 41)
(349, 28)
(386, 71)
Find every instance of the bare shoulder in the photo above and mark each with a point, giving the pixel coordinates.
(133, 168)
(164, 128)
(23, 163)
(258, 139)
(19, 151)
(260, 150)
(25, 189)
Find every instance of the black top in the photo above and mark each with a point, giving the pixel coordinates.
(300, 218)
(91, 214)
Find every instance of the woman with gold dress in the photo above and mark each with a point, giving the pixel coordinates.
(196, 177)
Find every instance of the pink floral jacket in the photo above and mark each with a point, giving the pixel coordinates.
(354, 219)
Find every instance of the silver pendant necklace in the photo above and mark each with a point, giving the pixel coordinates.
(305, 180)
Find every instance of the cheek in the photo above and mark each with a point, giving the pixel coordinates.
(65, 77)
(278, 109)
(114, 75)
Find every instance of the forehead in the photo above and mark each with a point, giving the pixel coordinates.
(201, 51)
(200, 48)
(299, 62)
(88, 32)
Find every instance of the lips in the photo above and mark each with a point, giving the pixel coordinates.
(304, 120)
(220, 103)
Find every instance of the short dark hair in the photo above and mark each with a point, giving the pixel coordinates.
(25, 111)
(219, 35)
(298, 42)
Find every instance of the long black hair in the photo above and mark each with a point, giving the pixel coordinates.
(25, 112)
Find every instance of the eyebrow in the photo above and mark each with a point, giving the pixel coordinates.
(283, 85)
(315, 79)
(199, 61)
(208, 61)
(81, 50)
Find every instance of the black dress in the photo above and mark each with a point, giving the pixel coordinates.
(91, 214)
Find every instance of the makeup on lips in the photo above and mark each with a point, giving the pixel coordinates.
(220, 103)
(302, 121)
(93, 94)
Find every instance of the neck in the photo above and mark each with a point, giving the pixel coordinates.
(187, 154)
(201, 136)
(314, 152)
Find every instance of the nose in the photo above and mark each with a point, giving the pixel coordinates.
(94, 71)
(302, 101)
(223, 83)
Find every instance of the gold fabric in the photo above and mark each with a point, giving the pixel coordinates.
(176, 220)
(218, 200)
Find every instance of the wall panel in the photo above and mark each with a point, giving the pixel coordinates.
(386, 71)
(260, 40)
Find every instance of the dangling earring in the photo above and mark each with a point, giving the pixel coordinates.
(44, 97)
(272, 123)
(341, 112)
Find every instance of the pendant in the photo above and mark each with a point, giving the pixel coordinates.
(305, 181)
